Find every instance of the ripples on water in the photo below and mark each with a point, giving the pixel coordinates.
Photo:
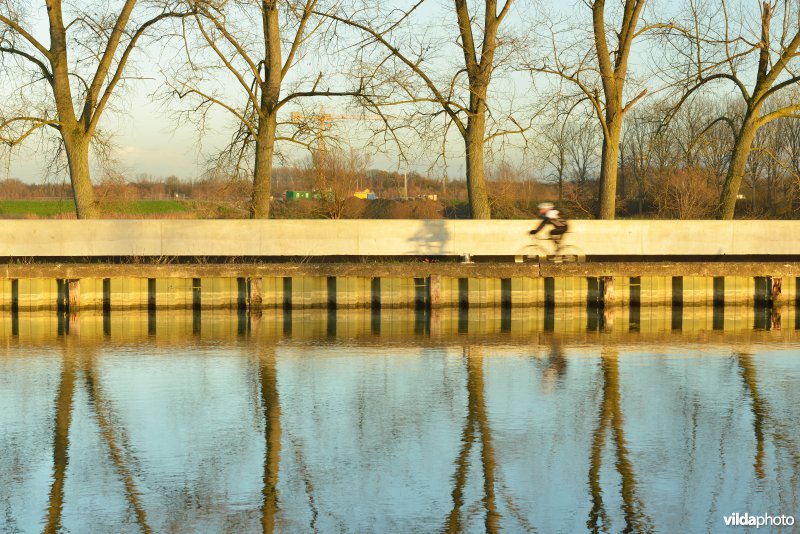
(404, 423)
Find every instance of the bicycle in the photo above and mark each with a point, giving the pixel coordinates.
(556, 251)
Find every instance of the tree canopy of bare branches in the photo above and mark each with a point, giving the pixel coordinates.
(759, 61)
(405, 72)
(70, 79)
(602, 67)
(255, 46)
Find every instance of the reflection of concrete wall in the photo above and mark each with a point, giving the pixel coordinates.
(653, 324)
(387, 238)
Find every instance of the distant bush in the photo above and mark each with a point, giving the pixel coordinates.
(684, 193)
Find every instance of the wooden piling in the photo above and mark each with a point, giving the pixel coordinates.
(254, 298)
(777, 286)
(435, 288)
(74, 295)
(608, 290)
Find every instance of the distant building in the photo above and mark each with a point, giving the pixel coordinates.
(297, 195)
(366, 194)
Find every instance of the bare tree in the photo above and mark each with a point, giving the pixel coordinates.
(572, 150)
(791, 132)
(406, 70)
(570, 142)
(603, 67)
(558, 142)
(260, 61)
(341, 174)
(682, 193)
(772, 167)
(71, 80)
(637, 158)
(760, 64)
(677, 167)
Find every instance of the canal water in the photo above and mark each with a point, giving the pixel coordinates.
(347, 422)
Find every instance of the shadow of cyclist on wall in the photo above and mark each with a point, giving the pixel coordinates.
(431, 239)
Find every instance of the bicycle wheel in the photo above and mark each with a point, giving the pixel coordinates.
(570, 254)
(533, 252)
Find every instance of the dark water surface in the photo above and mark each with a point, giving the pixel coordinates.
(133, 423)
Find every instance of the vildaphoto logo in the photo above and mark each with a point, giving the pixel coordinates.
(764, 520)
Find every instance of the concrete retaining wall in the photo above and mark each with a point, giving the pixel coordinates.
(309, 238)
(434, 292)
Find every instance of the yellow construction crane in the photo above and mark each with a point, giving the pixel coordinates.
(324, 121)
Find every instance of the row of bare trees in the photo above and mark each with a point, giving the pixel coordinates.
(417, 73)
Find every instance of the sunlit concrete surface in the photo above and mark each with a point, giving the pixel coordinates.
(310, 238)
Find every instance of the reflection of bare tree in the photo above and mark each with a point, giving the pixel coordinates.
(115, 449)
(272, 434)
(611, 416)
(63, 416)
(64, 401)
(765, 425)
(758, 406)
(309, 485)
(477, 419)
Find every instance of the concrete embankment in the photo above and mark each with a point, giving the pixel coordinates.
(113, 264)
(390, 285)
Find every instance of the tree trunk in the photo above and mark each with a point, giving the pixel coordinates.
(262, 174)
(77, 149)
(733, 180)
(476, 177)
(73, 131)
(608, 168)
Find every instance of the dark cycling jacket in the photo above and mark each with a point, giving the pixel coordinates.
(553, 217)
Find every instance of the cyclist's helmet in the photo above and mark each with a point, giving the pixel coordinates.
(546, 206)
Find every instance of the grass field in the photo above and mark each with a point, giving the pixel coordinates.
(35, 208)
(147, 207)
(47, 209)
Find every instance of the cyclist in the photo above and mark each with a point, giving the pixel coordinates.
(550, 215)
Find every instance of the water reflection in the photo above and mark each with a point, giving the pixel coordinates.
(116, 447)
(61, 426)
(555, 366)
(757, 405)
(270, 405)
(501, 323)
(143, 423)
(610, 418)
(476, 422)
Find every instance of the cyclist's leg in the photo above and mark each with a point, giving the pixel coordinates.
(556, 234)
